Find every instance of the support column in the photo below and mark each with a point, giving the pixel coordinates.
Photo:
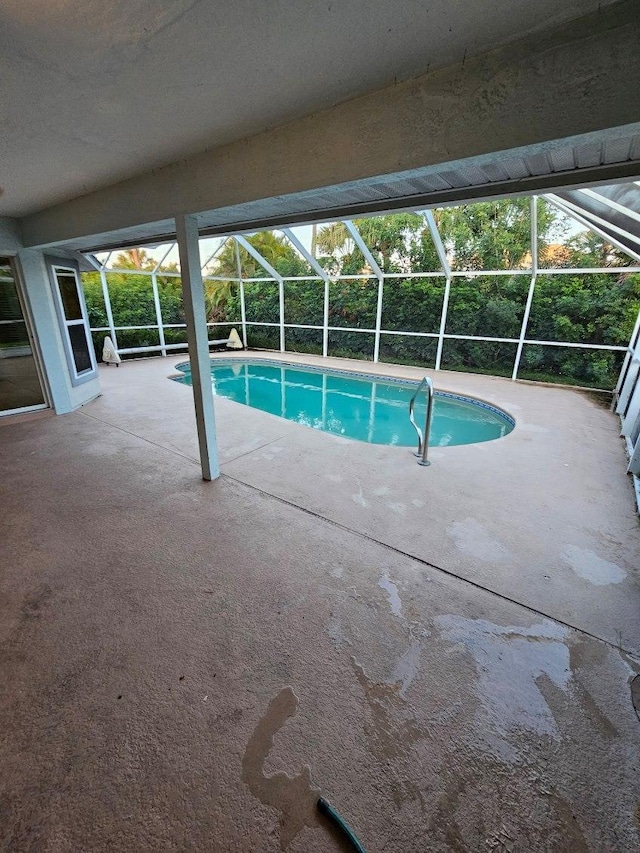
(198, 340)
(446, 268)
(325, 320)
(243, 307)
(629, 371)
(376, 338)
(443, 322)
(281, 306)
(158, 309)
(532, 286)
(356, 236)
(107, 305)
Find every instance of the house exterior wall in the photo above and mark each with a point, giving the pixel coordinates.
(9, 236)
(63, 396)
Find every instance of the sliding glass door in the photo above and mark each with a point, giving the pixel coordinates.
(20, 384)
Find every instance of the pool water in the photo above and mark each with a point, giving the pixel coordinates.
(352, 405)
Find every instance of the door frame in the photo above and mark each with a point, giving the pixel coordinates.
(23, 299)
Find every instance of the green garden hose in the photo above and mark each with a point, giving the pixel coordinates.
(325, 808)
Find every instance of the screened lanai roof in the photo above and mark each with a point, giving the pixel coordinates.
(612, 211)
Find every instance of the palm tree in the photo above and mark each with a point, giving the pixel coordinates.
(134, 259)
(333, 239)
(234, 261)
(385, 236)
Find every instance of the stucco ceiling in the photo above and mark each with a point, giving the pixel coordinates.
(94, 91)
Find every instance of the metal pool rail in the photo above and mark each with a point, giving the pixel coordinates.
(423, 437)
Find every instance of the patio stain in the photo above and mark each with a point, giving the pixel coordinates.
(509, 660)
(473, 539)
(470, 780)
(635, 694)
(34, 601)
(293, 796)
(407, 667)
(566, 816)
(591, 567)
(391, 732)
(336, 632)
(393, 596)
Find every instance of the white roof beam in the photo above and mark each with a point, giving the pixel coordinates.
(598, 220)
(357, 239)
(215, 252)
(164, 257)
(602, 199)
(437, 241)
(264, 263)
(95, 263)
(313, 262)
(560, 204)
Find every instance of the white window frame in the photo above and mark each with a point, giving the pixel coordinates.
(27, 318)
(77, 378)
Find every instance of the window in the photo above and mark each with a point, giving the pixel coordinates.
(72, 313)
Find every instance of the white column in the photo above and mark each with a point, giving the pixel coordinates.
(156, 302)
(634, 461)
(243, 307)
(198, 340)
(532, 285)
(628, 388)
(243, 314)
(325, 320)
(376, 339)
(107, 306)
(446, 268)
(633, 413)
(443, 322)
(628, 372)
(281, 306)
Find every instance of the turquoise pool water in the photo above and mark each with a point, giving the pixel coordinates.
(350, 404)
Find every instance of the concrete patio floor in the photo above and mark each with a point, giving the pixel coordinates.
(445, 653)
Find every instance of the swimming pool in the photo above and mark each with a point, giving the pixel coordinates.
(350, 404)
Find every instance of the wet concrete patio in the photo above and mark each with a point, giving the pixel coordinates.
(445, 653)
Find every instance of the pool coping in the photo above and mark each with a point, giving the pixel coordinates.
(392, 380)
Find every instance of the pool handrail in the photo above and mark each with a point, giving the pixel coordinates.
(423, 437)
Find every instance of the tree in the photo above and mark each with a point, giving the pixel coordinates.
(491, 235)
(598, 308)
(589, 249)
(388, 238)
(132, 303)
(134, 259)
(276, 250)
